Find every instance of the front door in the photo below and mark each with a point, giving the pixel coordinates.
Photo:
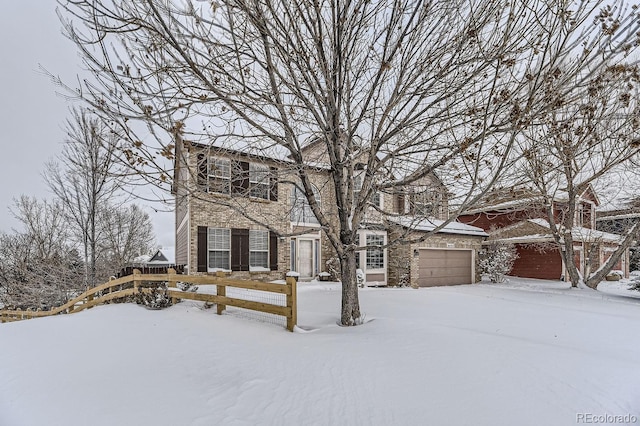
(305, 258)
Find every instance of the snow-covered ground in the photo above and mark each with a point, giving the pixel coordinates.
(521, 353)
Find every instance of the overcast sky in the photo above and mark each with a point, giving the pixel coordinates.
(33, 116)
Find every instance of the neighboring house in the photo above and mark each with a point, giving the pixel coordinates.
(162, 257)
(213, 186)
(165, 256)
(518, 216)
(618, 220)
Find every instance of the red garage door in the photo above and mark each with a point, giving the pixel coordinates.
(444, 267)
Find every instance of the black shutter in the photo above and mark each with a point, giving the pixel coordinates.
(239, 249)
(202, 172)
(273, 251)
(273, 184)
(202, 249)
(240, 178)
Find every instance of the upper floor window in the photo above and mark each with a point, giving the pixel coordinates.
(229, 176)
(583, 215)
(259, 180)
(300, 209)
(426, 203)
(376, 198)
(219, 174)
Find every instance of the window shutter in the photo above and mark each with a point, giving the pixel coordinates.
(273, 251)
(202, 172)
(239, 249)
(203, 252)
(273, 184)
(240, 178)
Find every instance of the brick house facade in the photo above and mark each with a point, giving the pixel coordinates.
(215, 188)
(518, 217)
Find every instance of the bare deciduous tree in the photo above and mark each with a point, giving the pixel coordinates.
(399, 89)
(126, 232)
(38, 269)
(85, 180)
(590, 132)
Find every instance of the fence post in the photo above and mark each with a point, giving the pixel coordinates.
(292, 302)
(221, 290)
(136, 279)
(172, 283)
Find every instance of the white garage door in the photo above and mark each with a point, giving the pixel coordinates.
(444, 267)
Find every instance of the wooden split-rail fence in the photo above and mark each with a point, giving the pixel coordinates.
(138, 283)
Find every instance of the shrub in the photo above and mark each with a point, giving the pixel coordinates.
(496, 260)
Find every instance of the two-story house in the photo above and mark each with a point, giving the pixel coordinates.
(218, 189)
(518, 216)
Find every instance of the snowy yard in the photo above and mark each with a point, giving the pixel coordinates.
(523, 353)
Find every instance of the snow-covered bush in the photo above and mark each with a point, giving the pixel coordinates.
(154, 298)
(614, 276)
(496, 260)
(187, 286)
(333, 267)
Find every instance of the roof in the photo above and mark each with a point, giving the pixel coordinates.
(163, 256)
(578, 233)
(428, 225)
(515, 198)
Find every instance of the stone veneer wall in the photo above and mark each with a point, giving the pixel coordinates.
(445, 241)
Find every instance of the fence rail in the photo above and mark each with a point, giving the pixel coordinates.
(121, 288)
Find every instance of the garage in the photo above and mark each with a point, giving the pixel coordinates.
(438, 267)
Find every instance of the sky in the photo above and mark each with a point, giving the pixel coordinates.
(32, 114)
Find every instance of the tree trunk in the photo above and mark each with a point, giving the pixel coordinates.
(350, 303)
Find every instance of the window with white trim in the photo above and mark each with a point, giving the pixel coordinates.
(219, 175)
(375, 252)
(300, 209)
(219, 247)
(259, 180)
(258, 248)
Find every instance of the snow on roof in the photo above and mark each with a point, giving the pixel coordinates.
(505, 205)
(532, 238)
(619, 216)
(580, 233)
(142, 259)
(430, 224)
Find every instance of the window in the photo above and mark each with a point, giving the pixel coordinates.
(293, 255)
(426, 203)
(234, 177)
(259, 180)
(357, 187)
(258, 249)
(219, 245)
(375, 253)
(219, 175)
(300, 209)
